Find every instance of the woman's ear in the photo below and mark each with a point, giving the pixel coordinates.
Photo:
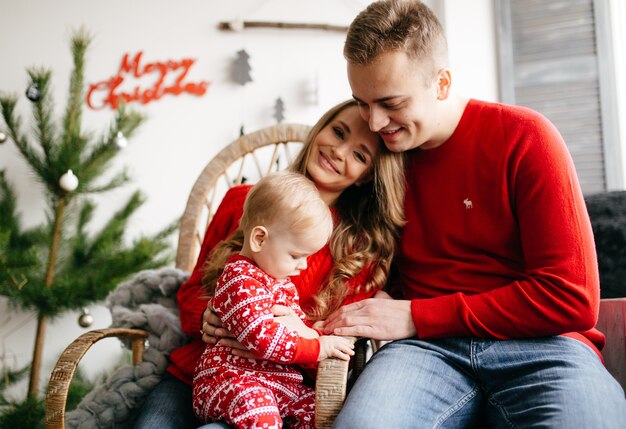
(258, 236)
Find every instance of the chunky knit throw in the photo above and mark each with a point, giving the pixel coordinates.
(146, 301)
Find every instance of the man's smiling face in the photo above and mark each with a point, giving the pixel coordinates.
(398, 101)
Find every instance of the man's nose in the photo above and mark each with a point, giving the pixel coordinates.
(377, 119)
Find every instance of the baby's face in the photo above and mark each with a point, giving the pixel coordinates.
(284, 253)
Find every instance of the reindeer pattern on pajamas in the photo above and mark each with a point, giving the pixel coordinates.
(255, 393)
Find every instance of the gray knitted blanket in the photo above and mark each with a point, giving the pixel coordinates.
(145, 301)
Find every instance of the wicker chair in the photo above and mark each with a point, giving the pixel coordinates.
(246, 159)
(230, 164)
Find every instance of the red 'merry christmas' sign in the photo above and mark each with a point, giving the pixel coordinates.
(144, 83)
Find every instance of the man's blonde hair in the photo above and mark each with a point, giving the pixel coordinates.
(397, 25)
(289, 201)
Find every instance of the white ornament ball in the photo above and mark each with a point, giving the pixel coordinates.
(85, 319)
(68, 181)
(120, 141)
(3, 137)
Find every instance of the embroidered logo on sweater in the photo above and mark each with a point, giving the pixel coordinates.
(468, 203)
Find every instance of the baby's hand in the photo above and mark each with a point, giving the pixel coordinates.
(334, 346)
(288, 318)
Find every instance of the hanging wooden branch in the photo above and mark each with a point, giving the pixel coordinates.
(239, 25)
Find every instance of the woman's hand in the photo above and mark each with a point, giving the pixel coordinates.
(286, 317)
(212, 327)
(213, 331)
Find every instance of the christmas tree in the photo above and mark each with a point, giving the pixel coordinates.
(59, 266)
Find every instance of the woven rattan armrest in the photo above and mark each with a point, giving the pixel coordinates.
(331, 387)
(63, 372)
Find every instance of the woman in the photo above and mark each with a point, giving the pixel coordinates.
(363, 183)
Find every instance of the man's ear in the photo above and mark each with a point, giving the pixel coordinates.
(258, 236)
(444, 81)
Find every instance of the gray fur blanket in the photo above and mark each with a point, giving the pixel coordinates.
(145, 301)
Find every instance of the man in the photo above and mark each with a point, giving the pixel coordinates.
(497, 274)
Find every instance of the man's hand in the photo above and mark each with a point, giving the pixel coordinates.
(376, 318)
(382, 294)
(332, 346)
(286, 317)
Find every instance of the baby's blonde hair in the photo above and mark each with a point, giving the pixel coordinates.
(286, 200)
(290, 201)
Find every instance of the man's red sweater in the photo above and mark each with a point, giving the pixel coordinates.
(191, 305)
(498, 243)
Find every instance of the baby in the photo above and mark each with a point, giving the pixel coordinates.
(283, 222)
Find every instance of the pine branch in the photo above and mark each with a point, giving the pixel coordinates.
(68, 157)
(114, 229)
(127, 122)
(117, 181)
(13, 123)
(42, 111)
(95, 266)
(97, 160)
(8, 204)
(72, 123)
(80, 241)
(18, 249)
(46, 165)
(84, 216)
(29, 413)
(11, 376)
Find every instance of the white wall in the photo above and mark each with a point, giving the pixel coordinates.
(182, 133)
(618, 30)
(470, 30)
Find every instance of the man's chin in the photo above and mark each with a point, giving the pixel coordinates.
(400, 145)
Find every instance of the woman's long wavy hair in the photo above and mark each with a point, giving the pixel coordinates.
(370, 217)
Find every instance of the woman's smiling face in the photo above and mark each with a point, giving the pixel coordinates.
(343, 153)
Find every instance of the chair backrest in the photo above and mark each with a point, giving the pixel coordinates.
(248, 158)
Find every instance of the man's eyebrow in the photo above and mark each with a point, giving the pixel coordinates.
(378, 100)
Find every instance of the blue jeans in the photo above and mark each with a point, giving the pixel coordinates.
(168, 406)
(553, 382)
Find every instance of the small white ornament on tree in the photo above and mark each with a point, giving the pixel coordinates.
(120, 140)
(85, 319)
(68, 181)
(3, 137)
